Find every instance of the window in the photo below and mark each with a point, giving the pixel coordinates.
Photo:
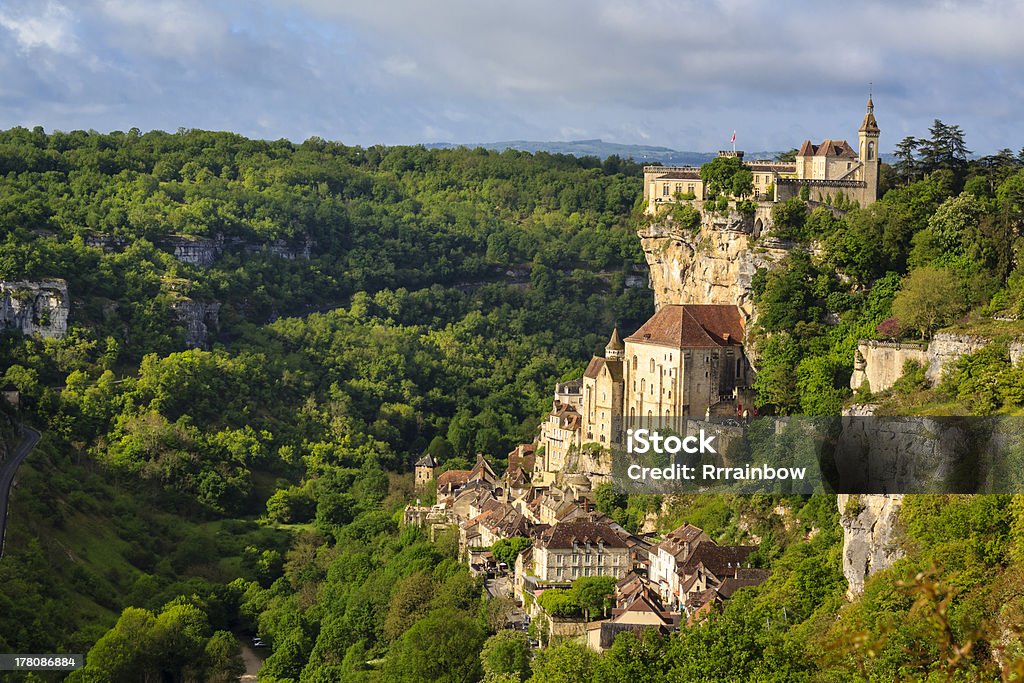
(634, 362)
(664, 190)
(679, 188)
(652, 365)
(871, 150)
(689, 188)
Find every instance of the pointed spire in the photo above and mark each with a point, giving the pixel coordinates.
(869, 125)
(615, 343)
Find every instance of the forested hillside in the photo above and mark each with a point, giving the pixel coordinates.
(181, 497)
(157, 459)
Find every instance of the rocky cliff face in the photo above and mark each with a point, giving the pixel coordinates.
(869, 543)
(35, 307)
(198, 318)
(712, 265)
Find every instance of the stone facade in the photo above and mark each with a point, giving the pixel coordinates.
(35, 308)
(881, 362)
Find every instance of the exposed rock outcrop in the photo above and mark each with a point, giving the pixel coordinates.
(198, 318)
(869, 543)
(35, 307)
(712, 265)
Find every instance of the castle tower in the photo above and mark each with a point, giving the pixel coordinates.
(615, 350)
(425, 470)
(868, 137)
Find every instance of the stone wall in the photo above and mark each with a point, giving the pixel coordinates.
(40, 307)
(946, 348)
(881, 363)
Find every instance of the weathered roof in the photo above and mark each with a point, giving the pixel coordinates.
(452, 478)
(615, 344)
(681, 175)
(580, 531)
(720, 560)
(869, 125)
(597, 364)
(773, 166)
(692, 326)
(426, 460)
(482, 470)
(828, 148)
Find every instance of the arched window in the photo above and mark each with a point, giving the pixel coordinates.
(652, 365)
(634, 363)
(871, 150)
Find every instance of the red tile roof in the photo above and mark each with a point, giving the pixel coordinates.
(692, 326)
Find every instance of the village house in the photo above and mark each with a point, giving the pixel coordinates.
(578, 548)
(640, 611)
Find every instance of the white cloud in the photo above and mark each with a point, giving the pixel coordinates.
(50, 28)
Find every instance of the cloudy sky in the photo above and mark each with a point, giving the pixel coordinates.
(678, 73)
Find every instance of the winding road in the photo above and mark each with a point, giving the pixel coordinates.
(8, 468)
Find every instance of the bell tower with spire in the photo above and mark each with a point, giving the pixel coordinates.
(868, 136)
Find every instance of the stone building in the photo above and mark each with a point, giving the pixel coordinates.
(425, 470)
(578, 548)
(686, 360)
(603, 399)
(826, 170)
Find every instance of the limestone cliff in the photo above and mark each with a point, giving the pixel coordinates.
(35, 307)
(869, 536)
(712, 265)
(198, 317)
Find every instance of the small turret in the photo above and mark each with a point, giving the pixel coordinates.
(425, 470)
(615, 350)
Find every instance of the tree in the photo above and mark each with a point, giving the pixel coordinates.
(507, 549)
(593, 594)
(507, 652)
(929, 298)
(569, 662)
(906, 161)
(719, 174)
(444, 646)
(410, 600)
(788, 219)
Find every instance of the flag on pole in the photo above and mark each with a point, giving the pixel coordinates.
(733, 141)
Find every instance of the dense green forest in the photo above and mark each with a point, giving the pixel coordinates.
(256, 487)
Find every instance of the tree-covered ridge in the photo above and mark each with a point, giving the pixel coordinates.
(374, 218)
(151, 451)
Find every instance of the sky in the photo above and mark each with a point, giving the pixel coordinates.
(677, 73)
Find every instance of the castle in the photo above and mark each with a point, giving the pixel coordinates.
(827, 171)
(686, 361)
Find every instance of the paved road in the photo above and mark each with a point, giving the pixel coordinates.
(8, 468)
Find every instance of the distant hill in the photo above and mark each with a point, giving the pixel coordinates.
(599, 148)
(643, 154)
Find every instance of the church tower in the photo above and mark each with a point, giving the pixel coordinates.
(868, 136)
